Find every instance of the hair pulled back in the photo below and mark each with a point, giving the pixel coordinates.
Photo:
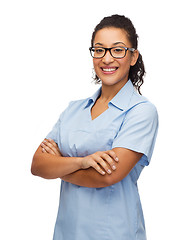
(136, 72)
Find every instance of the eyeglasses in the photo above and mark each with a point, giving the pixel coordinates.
(115, 52)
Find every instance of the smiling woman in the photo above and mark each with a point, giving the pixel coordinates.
(100, 145)
(115, 56)
(137, 70)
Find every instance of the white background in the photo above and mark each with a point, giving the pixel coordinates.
(42, 69)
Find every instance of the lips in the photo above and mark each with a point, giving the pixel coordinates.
(109, 69)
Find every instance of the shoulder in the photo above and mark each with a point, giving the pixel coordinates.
(80, 103)
(75, 105)
(141, 107)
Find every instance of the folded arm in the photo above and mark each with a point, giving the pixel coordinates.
(91, 178)
(84, 173)
(51, 166)
(49, 163)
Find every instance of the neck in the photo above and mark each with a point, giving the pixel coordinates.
(109, 91)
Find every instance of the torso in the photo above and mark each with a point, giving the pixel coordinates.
(78, 136)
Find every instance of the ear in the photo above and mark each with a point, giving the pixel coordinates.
(134, 57)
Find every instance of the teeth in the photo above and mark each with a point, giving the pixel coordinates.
(109, 69)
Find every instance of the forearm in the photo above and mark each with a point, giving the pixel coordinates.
(50, 166)
(88, 178)
(89, 171)
(91, 178)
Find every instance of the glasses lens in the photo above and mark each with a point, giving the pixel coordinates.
(97, 52)
(118, 52)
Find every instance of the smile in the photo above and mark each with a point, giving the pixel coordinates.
(109, 70)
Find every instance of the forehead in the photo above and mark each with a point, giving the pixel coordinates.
(111, 35)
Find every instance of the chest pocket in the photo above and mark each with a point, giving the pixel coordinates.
(83, 143)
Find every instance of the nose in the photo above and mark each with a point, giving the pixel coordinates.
(107, 58)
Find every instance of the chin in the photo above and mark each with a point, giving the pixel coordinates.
(112, 81)
(108, 82)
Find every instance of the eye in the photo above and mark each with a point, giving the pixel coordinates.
(98, 50)
(118, 50)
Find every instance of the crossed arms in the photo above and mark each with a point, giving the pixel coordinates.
(100, 169)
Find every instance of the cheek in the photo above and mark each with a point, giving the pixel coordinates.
(125, 64)
(96, 65)
(95, 62)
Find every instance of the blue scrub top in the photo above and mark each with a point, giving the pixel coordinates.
(113, 212)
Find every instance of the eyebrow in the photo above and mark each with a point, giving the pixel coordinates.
(116, 43)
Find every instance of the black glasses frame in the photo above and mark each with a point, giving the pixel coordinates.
(109, 49)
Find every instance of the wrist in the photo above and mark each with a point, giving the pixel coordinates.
(79, 162)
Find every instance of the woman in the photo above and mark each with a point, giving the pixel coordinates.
(100, 145)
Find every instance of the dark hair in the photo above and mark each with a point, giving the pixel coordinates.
(136, 72)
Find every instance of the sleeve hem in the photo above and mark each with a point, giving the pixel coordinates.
(143, 160)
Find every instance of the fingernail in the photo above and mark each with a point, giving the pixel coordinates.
(109, 171)
(116, 159)
(103, 172)
(113, 167)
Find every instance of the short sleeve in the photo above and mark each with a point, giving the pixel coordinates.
(55, 132)
(138, 131)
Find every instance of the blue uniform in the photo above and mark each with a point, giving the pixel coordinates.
(113, 212)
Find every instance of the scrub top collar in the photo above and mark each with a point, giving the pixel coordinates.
(121, 100)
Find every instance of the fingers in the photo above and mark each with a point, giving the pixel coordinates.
(102, 162)
(106, 161)
(43, 150)
(113, 155)
(49, 146)
(52, 142)
(46, 147)
(98, 168)
(109, 160)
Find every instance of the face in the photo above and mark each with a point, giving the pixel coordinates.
(111, 70)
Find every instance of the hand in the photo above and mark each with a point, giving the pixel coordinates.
(99, 160)
(49, 146)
